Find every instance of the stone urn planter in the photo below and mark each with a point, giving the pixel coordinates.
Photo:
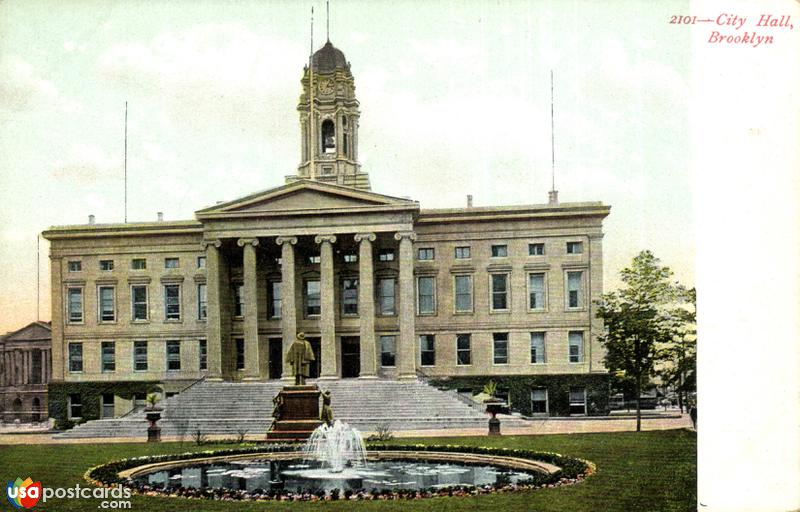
(153, 413)
(495, 406)
(153, 430)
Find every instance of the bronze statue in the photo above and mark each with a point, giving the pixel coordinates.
(326, 415)
(300, 356)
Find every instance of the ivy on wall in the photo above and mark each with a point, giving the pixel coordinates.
(519, 390)
(91, 394)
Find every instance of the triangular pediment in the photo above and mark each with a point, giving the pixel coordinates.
(31, 332)
(305, 195)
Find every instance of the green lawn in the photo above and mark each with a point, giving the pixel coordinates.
(648, 471)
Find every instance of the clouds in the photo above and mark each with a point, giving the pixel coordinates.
(209, 74)
(21, 88)
(85, 163)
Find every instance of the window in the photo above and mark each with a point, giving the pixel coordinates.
(425, 254)
(173, 355)
(314, 259)
(313, 306)
(386, 296)
(577, 401)
(75, 406)
(536, 249)
(203, 353)
(328, 137)
(238, 299)
(239, 353)
(427, 350)
(76, 357)
(463, 286)
(105, 303)
(499, 292)
(386, 255)
(537, 348)
(108, 405)
(576, 347)
(202, 310)
(274, 299)
(350, 258)
(539, 401)
(500, 347)
(139, 302)
(201, 262)
(75, 304)
(426, 295)
(108, 357)
(350, 296)
(172, 263)
(107, 265)
(462, 253)
(140, 356)
(74, 266)
(387, 351)
(574, 291)
(463, 349)
(36, 366)
(138, 264)
(574, 247)
(499, 251)
(172, 301)
(536, 291)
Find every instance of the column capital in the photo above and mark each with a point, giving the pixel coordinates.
(291, 240)
(215, 242)
(325, 238)
(247, 241)
(370, 237)
(400, 235)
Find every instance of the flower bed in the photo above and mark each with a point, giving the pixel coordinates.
(570, 470)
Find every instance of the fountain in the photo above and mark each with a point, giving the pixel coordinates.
(335, 447)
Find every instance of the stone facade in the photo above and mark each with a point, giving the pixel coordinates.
(381, 287)
(24, 373)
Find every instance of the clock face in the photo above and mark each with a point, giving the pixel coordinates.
(326, 86)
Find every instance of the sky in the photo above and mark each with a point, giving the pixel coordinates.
(450, 93)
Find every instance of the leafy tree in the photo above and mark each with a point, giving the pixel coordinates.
(680, 353)
(639, 320)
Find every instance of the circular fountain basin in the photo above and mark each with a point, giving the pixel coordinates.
(397, 471)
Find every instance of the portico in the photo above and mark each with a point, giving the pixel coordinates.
(259, 254)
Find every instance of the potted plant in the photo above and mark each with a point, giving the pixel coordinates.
(153, 414)
(494, 406)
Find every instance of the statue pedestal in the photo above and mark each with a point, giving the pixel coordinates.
(299, 414)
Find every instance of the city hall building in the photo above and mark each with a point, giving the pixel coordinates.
(382, 288)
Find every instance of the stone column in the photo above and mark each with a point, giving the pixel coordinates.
(250, 308)
(26, 369)
(288, 308)
(327, 321)
(45, 380)
(57, 316)
(366, 306)
(406, 353)
(213, 313)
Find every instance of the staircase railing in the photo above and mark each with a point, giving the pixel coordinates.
(190, 385)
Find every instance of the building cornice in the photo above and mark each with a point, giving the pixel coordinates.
(504, 213)
(130, 229)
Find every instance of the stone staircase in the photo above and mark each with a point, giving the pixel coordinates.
(223, 408)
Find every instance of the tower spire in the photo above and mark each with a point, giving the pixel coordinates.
(328, 20)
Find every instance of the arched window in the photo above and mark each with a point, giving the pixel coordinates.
(328, 137)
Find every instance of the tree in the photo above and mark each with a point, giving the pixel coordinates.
(639, 319)
(680, 353)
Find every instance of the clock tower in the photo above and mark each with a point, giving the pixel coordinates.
(329, 115)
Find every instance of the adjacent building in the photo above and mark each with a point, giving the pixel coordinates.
(24, 373)
(383, 288)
